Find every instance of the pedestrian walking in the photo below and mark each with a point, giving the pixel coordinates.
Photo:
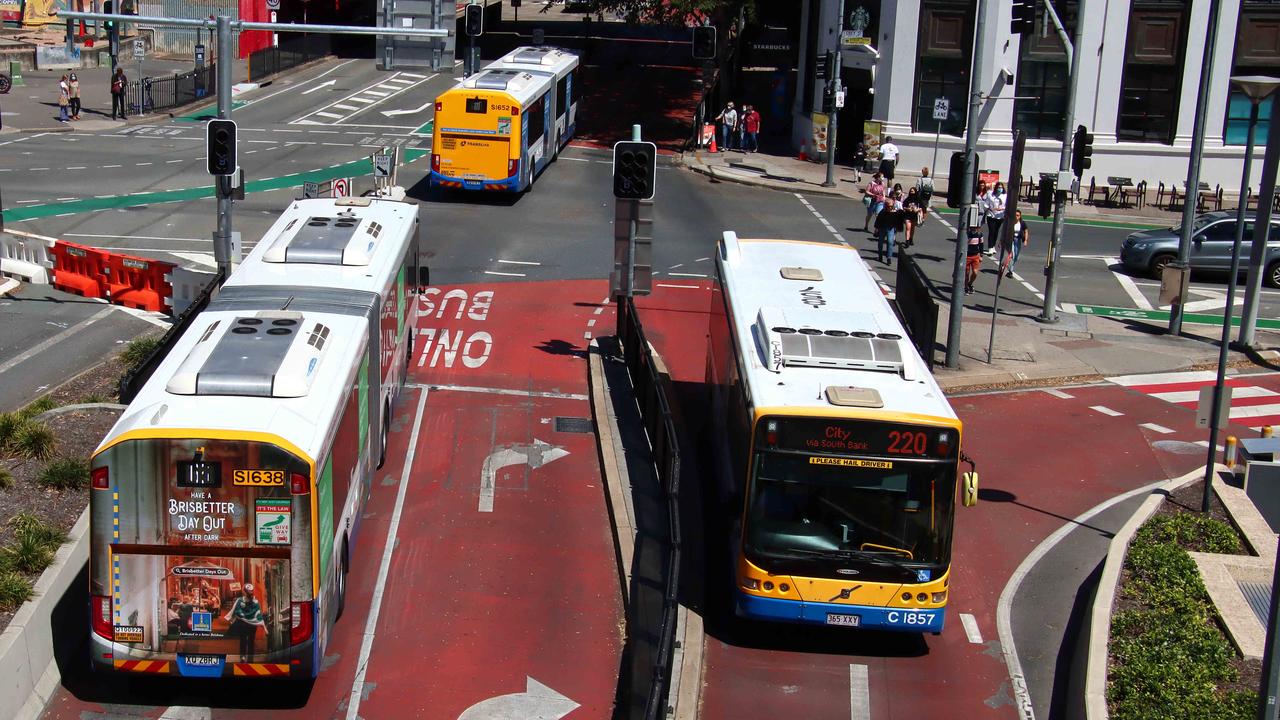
(1021, 236)
(118, 83)
(888, 157)
(751, 129)
(64, 99)
(995, 216)
(728, 119)
(74, 84)
(910, 217)
(873, 196)
(925, 188)
(973, 255)
(887, 223)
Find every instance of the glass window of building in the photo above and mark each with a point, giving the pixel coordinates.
(942, 69)
(1152, 73)
(1042, 74)
(1257, 52)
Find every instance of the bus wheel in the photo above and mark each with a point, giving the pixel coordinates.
(342, 582)
(386, 425)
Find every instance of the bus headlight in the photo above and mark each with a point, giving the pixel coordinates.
(768, 585)
(940, 597)
(922, 597)
(750, 583)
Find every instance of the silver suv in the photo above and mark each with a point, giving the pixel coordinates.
(1149, 251)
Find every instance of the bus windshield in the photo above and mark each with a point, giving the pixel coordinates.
(848, 509)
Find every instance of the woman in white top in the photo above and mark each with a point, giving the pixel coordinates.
(995, 216)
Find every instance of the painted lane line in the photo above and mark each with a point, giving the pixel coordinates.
(145, 164)
(49, 342)
(859, 693)
(76, 167)
(519, 262)
(340, 106)
(1004, 609)
(321, 86)
(696, 275)
(1127, 284)
(167, 162)
(1105, 410)
(1156, 428)
(565, 157)
(414, 76)
(112, 166)
(1192, 397)
(1057, 393)
(591, 322)
(504, 274)
(295, 87)
(324, 132)
(683, 287)
(597, 311)
(43, 168)
(322, 113)
(586, 336)
(384, 569)
(1165, 377)
(360, 100)
(971, 630)
(35, 201)
(375, 93)
(822, 219)
(501, 391)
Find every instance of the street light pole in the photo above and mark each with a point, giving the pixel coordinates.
(1261, 235)
(222, 183)
(1256, 89)
(833, 87)
(1049, 312)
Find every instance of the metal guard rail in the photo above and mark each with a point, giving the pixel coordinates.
(656, 412)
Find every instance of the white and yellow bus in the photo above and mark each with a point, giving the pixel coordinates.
(226, 500)
(837, 454)
(499, 128)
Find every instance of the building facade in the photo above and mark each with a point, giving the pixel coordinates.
(1141, 63)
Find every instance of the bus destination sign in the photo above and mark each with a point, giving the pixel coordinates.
(854, 437)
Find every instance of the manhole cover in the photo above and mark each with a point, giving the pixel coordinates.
(574, 425)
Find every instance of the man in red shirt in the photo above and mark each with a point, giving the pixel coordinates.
(751, 128)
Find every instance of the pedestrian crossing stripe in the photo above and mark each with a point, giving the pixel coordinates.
(1252, 406)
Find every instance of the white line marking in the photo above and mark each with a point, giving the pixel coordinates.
(76, 167)
(586, 336)
(360, 100)
(1180, 397)
(112, 166)
(414, 76)
(519, 262)
(503, 391)
(375, 93)
(371, 626)
(859, 693)
(591, 322)
(1057, 393)
(1156, 428)
(506, 274)
(1126, 284)
(49, 342)
(566, 157)
(1105, 410)
(821, 219)
(1166, 377)
(340, 106)
(597, 311)
(971, 630)
(684, 287)
(322, 113)
(144, 164)
(697, 275)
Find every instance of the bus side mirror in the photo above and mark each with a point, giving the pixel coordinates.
(969, 489)
(424, 277)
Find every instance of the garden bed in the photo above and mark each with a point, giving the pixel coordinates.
(1169, 656)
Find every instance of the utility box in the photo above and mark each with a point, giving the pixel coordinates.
(1262, 484)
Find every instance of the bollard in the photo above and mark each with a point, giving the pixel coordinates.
(1229, 453)
(1265, 431)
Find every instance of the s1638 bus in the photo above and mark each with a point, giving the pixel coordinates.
(226, 500)
(499, 128)
(837, 454)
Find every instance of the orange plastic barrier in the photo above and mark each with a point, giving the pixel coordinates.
(79, 269)
(137, 282)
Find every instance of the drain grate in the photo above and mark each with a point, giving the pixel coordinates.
(574, 425)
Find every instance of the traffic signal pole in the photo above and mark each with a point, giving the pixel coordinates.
(222, 183)
(833, 87)
(1049, 313)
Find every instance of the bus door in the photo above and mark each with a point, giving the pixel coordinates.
(205, 551)
(538, 122)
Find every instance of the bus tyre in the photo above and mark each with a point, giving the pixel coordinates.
(342, 582)
(386, 425)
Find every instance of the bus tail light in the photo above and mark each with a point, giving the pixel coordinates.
(299, 484)
(513, 167)
(100, 612)
(300, 622)
(101, 478)
(435, 159)
(439, 106)
(944, 444)
(771, 433)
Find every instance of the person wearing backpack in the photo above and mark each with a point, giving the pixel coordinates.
(924, 188)
(118, 82)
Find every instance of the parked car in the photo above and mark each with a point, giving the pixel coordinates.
(1149, 251)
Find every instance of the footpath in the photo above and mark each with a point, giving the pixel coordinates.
(1027, 352)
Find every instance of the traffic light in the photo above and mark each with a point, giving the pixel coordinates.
(1024, 17)
(635, 169)
(704, 42)
(955, 180)
(1045, 198)
(475, 20)
(1081, 151)
(220, 137)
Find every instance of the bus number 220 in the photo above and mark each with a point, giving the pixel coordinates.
(908, 443)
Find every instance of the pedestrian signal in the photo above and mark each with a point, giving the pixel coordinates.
(1024, 17)
(1045, 198)
(704, 42)
(635, 170)
(955, 180)
(220, 137)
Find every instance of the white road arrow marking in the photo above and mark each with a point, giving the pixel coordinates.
(420, 108)
(322, 85)
(535, 456)
(537, 702)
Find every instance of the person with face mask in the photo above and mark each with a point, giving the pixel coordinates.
(995, 216)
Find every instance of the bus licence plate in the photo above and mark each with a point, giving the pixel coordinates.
(838, 619)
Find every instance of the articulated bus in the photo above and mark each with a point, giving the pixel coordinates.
(226, 500)
(499, 128)
(837, 454)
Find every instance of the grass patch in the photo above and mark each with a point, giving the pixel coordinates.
(95, 398)
(14, 590)
(33, 440)
(33, 546)
(65, 474)
(6, 479)
(42, 404)
(138, 350)
(1168, 656)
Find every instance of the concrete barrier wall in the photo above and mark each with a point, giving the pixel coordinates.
(28, 673)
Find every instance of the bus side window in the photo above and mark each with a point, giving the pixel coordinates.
(535, 120)
(562, 96)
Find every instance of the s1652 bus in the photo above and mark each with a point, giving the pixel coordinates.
(837, 454)
(226, 500)
(499, 128)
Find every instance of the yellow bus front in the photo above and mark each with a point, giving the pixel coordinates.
(476, 143)
(848, 520)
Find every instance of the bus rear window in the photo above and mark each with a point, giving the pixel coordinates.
(477, 105)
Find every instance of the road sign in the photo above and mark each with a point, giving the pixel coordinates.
(1204, 408)
(310, 190)
(139, 49)
(342, 187)
(941, 108)
(273, 4)
(199, 55)
(381, 166)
